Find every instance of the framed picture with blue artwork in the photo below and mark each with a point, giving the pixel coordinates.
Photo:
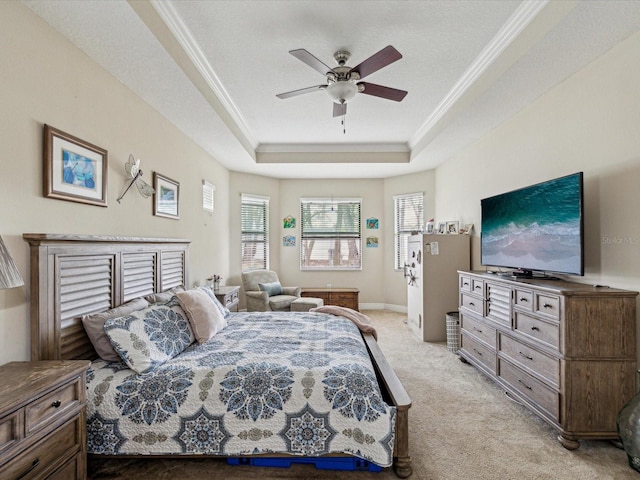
(74, 170)
(166, 198)
(372, 223)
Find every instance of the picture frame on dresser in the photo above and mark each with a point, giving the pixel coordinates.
(74, 169)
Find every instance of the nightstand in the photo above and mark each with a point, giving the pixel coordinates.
(229, 297)
(42, 420)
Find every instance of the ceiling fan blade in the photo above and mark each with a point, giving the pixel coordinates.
(304, 56)
(383, 92)
(302, 91)
(339, 109)
(377, 61)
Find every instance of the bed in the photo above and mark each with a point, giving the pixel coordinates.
(291, 384)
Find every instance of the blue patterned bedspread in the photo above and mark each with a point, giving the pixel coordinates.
(271, 382)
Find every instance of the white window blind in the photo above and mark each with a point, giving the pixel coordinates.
(330, 234)
(408, 217)
(255, 232)
(208, 191)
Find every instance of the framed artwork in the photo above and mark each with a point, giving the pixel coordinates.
(431, 227)
(442, 228)
(74, 170)
(372, 223)
(467, 229)
(452, 227)
(166, 199)
(288, 241)
(289, 222)
(372, 242)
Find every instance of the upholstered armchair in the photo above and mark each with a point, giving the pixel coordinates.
(264, 292)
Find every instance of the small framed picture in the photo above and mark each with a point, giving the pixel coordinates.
(166, 199)
(372, 242)
(74, 170)
(452, 227)
(466, 230)
(288, 241)
(289, 222)
(372, 223)
(431, 227)
(442, 228)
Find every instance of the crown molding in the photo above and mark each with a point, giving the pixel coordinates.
(187, 41)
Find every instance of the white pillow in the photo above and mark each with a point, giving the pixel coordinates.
(147, 338)
(204, 315)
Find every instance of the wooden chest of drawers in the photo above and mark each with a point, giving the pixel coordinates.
(343, 297)
(42, 420)
(566, 351)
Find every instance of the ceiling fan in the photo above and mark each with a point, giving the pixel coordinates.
(343, 82)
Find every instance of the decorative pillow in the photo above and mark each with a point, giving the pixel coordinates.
(223, 310)
(273, 288)
(204, 316)
(163, 297)
(94, 326)
(147, 338)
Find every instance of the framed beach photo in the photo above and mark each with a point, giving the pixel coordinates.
(166, 199)
(74, 170)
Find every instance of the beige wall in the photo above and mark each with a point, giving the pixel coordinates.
(45, 79)
(589, 123)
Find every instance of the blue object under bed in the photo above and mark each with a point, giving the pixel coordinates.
(321, 463)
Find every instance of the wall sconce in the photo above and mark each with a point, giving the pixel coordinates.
(9, 274)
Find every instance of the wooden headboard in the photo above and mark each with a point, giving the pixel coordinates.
(75, 275)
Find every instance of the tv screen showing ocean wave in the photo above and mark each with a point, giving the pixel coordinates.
(536, 228)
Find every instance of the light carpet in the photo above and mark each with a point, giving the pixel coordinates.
(461, 426)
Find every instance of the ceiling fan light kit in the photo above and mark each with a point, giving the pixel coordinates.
(343, 82)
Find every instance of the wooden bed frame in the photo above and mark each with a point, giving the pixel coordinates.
(75, 275)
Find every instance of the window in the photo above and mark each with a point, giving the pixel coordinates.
(208, 191)
(408, 217)
(255, 232)
(330, 237)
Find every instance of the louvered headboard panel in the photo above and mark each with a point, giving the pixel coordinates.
(75, 275)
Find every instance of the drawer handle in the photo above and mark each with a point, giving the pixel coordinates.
(465, 283)
(472, 304)
(56, 404)
(477, 352)
(478, 287)
(525, 356)
(523, 299)
(535, 329)
(547, 305)
(35, 463)
(477, 330)
(525, 385)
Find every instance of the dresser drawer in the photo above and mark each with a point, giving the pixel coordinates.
(484, 355)
(548, 305)
(472, 303)
(523, 299)
(465, 283)
(52, 406)
(543, 365)
(41, 457)
(477, 329)
(543, 332)
(10, 430)
(532, 389)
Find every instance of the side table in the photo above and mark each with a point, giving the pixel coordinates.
(228, 296)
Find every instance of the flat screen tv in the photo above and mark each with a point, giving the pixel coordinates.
(538, 228)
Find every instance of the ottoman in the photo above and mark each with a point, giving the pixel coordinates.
(304, 304)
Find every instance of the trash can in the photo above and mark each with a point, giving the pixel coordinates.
(453, 331)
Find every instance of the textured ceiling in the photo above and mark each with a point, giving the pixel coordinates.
(213, 68)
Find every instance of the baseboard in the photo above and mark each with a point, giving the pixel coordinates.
(382, 306)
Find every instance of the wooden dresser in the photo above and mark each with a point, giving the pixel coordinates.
(343, 297)
(42, 420)
(565, 350)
